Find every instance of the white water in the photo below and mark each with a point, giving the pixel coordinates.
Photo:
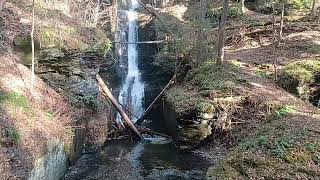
(132, 91)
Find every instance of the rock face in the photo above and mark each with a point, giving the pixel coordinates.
(52, 165)
(188, 132)
(72, 74)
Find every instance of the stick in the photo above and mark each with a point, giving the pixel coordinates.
(117, 105)
(141, 42)
(155, 133)
(140, 120)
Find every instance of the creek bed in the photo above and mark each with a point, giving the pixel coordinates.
(157, 158)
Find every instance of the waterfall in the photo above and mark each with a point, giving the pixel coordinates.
(132, 91)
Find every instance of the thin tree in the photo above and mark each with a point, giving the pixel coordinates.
(315, 5)
(96, 14)
(243, 8)
(32, 46)
(281, 21)
(274, 43)
(222, 32)
(201, 49)
(2, 4)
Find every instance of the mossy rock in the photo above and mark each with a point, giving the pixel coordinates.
(297, 77)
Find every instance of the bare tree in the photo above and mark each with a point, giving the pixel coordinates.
(243, 8)
(222, 32)
(201, 48)
(96, 14)
(274, 43)
(2, 4)
(281, 21)
(315, 5)
(32, 46)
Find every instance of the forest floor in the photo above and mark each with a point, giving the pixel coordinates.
(268, 132)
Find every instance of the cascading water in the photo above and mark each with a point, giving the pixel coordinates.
(132, 91)
(154, 159)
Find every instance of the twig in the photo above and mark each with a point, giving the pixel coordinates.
(155, 133)
(142, 118)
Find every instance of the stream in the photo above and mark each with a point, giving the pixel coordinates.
(155, 158)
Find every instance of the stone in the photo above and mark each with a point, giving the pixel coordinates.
(52, 165)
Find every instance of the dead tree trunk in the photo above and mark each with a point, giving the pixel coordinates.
(117, 105)
(315, 5)
(2, 4)
(281, 22)
(243, 8)
(200, 44)
(32, 46)
(96, 14)
(222, 32)
(274, 43)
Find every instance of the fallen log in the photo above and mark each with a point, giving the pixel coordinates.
(147, 131)
(142, 118)
(117, 105)
(141, 42)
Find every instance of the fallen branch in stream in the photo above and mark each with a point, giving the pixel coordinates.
(117, 105)
(147, 131)
(142, 42)
(140, 120)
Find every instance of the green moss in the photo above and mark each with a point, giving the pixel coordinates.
(234, 12)
(15, 101)
(12, 134)
(297, 77)
(50, 115)
(314, 48)
(210, 76)
(285, 111)
(205, 107)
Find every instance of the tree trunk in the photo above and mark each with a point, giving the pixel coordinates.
(313, 9)
(222, 32)
(201, 48)
(243, 8)
(96, 14)
(2, 4)
(274, 43)
(281, 22)
(117, 105)
(32, 47)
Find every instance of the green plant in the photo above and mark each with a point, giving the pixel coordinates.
(205, 107)
(50, 115)
(285, 111)
(280, 147)
(317, 157)
(13, 134)
(16, 101)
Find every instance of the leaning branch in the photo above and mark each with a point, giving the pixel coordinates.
(117, 105)
(140, 120)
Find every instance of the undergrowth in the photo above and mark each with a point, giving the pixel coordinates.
(297, 77)
(16, 102)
